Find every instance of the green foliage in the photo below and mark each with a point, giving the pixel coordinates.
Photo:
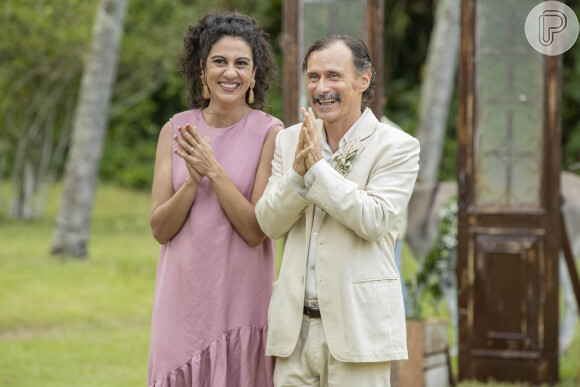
(441, 259)
(129, 164)
(407, 26)
(42, 49)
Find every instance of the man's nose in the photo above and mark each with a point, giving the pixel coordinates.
(322, 87)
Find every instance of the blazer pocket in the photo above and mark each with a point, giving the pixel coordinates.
(374, 314)
(375, 281)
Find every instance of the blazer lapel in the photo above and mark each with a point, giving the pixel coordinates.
(363, 130)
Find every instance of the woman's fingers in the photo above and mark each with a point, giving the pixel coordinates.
(189, 135)
(192, 131)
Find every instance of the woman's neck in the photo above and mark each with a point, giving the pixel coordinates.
(221, 116)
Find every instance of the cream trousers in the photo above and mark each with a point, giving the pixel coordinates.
(311, 364)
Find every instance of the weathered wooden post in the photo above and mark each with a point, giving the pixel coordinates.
(509, 175)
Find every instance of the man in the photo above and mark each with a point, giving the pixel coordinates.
(338, 188)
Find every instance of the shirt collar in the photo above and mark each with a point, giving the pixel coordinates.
(326, 151)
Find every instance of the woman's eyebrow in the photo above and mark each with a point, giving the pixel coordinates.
(223, 57)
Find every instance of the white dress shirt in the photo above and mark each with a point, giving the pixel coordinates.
(301, 185)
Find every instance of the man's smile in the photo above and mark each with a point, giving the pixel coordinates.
(326, 100)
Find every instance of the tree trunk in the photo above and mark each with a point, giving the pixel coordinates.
(437, 88)
(90, 125)
(22, 203)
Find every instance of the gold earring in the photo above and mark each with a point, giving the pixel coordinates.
(251, 95)
(205, 88)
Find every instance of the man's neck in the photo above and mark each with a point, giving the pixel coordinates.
(335, 131)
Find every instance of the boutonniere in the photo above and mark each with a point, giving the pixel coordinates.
(345, 159)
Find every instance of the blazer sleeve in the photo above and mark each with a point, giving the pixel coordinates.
(373, 211)
(280, 206)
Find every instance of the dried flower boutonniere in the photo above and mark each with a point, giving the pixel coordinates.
(344, 160)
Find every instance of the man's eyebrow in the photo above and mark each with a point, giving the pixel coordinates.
(324, 72)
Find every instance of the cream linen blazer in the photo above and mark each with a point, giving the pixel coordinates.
(358, 286)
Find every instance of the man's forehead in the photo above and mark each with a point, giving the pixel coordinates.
(336, 55)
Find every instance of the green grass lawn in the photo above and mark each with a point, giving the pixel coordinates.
(84, 323)
(65, 322)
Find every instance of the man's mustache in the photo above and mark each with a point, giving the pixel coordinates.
(317, 97)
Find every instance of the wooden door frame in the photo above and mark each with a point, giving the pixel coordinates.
(467, 211)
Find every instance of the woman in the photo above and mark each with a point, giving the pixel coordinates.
(216, 267)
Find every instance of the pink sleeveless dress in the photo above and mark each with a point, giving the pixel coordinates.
(212, 290)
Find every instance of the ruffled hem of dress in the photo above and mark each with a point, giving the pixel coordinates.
(237, 358)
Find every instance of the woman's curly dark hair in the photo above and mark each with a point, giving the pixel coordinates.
(199, 40)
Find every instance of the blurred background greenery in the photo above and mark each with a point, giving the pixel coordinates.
(45, 43)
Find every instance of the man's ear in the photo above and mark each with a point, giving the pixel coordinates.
(365, 80)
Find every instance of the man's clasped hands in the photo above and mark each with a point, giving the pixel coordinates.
(309, 148)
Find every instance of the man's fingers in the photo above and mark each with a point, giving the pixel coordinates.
(300, 144)
(301, 138)
(310, 122)
(307, 119)
(312, 140)
(307, 139)
(304, 153)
